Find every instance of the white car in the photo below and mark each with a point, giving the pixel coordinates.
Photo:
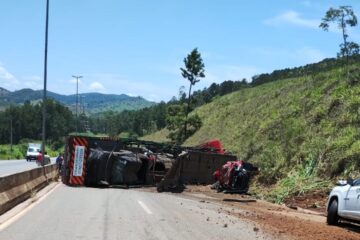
(32, 152)
(344, 202)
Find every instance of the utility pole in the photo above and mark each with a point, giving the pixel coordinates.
(45, 80)
(11, 134)
(83, 104)
(85, 122)
(77, 100)
(11, 116)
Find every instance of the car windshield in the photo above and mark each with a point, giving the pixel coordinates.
(31, 150)
(356, 182)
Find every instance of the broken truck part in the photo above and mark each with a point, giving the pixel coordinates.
(193, 167)
(234, 177)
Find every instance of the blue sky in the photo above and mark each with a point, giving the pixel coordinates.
(136, 47)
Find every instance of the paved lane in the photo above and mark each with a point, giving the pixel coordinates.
(8, 167)
(89, 213)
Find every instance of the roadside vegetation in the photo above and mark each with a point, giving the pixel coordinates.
(18, 151)
(22, 125)
(21, 122)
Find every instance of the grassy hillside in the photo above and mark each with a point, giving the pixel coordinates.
(296, 130)
(159, 136)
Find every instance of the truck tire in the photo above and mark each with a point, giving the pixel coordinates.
(332, 214)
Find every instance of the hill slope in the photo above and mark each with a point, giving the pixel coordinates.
(3, 92)
(310, 125)
(94, 102)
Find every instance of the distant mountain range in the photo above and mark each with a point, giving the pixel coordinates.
(90, 102)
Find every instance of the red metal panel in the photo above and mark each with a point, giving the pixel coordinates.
(78, 180)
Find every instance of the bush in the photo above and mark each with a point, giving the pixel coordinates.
(16, 153)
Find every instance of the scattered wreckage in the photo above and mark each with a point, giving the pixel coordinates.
(120, 162)
(234, 177)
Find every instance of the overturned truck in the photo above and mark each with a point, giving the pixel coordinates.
(119, 162)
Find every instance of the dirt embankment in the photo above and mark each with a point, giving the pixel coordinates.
(299, 221)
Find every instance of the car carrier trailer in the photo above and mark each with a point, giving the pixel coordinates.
(105, 161)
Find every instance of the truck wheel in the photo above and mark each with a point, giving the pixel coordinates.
(332, 215)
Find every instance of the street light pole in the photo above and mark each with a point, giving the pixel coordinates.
(11, 132)
(77, 99)
(45, 80)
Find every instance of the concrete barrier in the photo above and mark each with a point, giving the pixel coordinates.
(18, 187)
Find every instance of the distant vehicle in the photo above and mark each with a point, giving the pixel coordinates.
(39, 160)
(344, 202)
(33, 151)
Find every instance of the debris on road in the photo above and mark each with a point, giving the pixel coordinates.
(234, 177)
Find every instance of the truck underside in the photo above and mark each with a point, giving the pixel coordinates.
(114, 162)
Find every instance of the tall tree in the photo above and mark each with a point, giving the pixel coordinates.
(175, 123)
(344, 16)
(193, 71)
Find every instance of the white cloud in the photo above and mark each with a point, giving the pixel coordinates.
(96, 86)
(7, 80)
(292, 18)
(33, 82)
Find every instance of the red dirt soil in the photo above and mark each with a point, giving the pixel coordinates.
(315, 201)
(297, 222)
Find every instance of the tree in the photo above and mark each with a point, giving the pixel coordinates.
(344, 16)
(194, 70)
(182, 94)
(26, 122)
(175, 123)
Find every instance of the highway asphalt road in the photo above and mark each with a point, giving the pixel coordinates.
(8, 167)
(90, 213)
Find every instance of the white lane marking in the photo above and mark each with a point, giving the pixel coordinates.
(16, 217)
(146, 209)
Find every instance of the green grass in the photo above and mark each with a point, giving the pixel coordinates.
(296, 183)
(159, 136)
(281, 125)
(18, 152)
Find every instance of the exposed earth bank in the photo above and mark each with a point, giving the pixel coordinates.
(284, 222)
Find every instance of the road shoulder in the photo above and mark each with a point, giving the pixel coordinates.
(17, 212)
